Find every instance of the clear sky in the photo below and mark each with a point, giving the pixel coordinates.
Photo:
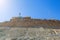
(43, 9)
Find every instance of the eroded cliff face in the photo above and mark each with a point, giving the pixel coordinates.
(27, 21)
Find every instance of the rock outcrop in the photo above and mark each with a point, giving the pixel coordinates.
(30, 22)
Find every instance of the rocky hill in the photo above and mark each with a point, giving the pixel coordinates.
(33, 29)
(31, 22)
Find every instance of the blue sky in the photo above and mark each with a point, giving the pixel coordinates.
(42, 9)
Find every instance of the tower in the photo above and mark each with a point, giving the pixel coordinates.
(19, 14)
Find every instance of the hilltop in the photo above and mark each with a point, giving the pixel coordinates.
(31, 22)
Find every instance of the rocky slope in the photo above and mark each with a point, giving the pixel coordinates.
(26, 28)
(30, 22)
(17, 33)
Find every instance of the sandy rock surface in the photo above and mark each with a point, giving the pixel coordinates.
(17, 33)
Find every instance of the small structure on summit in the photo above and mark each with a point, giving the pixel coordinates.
(27, 17)
(20, 18)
